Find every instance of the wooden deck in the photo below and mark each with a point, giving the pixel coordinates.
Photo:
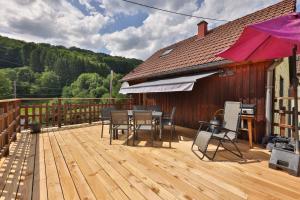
(77, 164)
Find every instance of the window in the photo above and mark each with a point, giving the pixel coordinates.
(166, 52)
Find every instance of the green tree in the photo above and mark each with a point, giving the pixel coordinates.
(25, 75)
(10, 73)
(66, 64)
(26, 52)
(48, 85)
(5, 87)
(87, 85)
(35, 62)
(61, 68)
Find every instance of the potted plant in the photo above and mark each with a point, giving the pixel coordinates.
(35, 127)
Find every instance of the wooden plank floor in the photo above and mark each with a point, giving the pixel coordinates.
(77, 164)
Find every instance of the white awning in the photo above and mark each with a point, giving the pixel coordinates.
(180, 84)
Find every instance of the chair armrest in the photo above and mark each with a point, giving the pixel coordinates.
(166, 116)
(227, 130)
(209, 124)
(206, 125)
(203, 122)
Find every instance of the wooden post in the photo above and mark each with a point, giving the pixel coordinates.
(85, 119)
(41, 114)
(111, 83)
(47, 114)
(90, 112)
(65, 114)
(18, 116)
(59, 113)
(5, 133)
(26, 116)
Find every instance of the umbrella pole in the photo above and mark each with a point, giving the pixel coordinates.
(295, 88)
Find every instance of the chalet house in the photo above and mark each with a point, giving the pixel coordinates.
(188, 75)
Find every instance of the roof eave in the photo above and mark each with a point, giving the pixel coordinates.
(181, 70)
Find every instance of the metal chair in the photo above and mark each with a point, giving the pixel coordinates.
(154, 108)
(143, 121)
(139, 107)
(105, 117)
(169, 121)
(227, 132)
(119, 121)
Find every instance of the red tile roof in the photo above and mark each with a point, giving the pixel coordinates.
(195, 51)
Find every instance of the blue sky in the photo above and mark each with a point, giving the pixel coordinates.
(114, 26)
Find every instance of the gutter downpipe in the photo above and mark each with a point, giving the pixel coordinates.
(269, 96)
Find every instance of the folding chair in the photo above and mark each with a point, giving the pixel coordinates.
(139, 107)
(105, 117)
(119, 121)
(227, 132)
(143, 121)
(169, 121)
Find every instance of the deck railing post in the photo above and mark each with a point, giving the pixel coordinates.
(26, 116)
(5, 132)
(90, 112)
(59, 113)
(18, 116)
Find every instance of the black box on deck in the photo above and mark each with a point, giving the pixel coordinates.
(285, 160)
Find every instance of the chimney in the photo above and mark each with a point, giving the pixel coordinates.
(202, 29)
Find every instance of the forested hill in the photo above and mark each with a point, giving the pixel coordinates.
(30, 63)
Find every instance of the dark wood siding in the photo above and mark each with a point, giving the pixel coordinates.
(209, 94)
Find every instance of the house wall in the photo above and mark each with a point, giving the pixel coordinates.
(209, 94)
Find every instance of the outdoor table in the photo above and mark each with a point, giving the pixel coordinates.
(155, 115)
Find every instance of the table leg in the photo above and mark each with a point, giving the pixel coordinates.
(160, 127)
(249, 123)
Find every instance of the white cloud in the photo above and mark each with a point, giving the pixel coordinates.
(87, 4)
(53, 21)
(60, 22)
(161, 29)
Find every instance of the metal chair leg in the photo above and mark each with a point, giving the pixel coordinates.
(110, 134)
(171, 137)
(102, 130)
(134, 137)
(152, 137)
(127, 136)
(238, 154)
(220, 143)
(203, 154)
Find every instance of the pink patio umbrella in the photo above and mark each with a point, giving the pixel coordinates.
(271, 39)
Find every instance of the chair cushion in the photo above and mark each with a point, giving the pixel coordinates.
(202, 140)
(144, 127)
(121, 127)
(104, 118)
(167, 122)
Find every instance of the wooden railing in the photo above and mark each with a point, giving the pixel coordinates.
(66, 111)
(17, 114)
(9, 123)
(284, 113)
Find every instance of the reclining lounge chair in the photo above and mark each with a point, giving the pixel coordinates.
(227, 132)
